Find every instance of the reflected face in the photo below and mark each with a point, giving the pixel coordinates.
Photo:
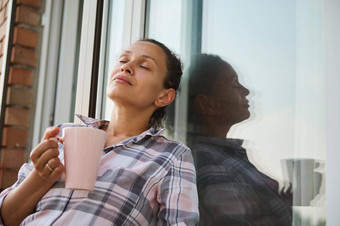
(138, 76)
(229, 98)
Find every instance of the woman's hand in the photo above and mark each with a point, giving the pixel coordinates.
(45, 157)
(22, 200)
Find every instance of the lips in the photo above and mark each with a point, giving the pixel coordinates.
(245, 103)
(122, 79)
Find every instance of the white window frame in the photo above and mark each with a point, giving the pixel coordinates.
(332, 72)
(85, 58)
(5, 46)
(134, 19)
(57, 66)
(134, 23)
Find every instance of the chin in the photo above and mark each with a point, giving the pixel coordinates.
(242, 117)
(113, 91)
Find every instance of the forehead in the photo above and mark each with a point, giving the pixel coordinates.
(147, 49)
(227, 72)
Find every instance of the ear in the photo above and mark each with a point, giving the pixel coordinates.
(204, 104)
(165, 98)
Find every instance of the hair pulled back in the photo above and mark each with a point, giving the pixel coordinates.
(172, 80)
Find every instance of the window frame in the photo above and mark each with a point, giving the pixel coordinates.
(57, 66)
(134, 32)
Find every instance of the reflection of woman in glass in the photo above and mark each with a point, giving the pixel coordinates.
(143, 179)
(231, 190)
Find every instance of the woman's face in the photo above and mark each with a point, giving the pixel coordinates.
(137, 79)
(230, 97)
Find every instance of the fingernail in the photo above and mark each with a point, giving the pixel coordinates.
(60, 139)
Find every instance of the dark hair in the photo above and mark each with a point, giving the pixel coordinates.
(204, 72)
(172, 80)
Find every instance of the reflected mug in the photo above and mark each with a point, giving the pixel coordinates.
(306, 180)
(83, 148)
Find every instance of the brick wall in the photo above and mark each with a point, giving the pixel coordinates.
(20, 93)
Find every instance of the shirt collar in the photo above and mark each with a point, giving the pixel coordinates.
(152, 132)
(95, 123)
(232, 144)
(102, 124)
(229, 142)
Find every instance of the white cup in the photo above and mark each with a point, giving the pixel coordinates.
(303, 175)
(83, 148)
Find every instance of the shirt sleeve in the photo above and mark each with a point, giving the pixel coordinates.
(24, 171)
(178, 193)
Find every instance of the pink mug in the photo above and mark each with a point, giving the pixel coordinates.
(83, 147)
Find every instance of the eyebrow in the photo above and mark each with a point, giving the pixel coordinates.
(145, 56)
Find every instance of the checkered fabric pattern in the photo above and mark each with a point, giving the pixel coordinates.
(143, 180)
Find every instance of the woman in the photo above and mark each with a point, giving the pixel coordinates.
(232, 191)
(143, 178)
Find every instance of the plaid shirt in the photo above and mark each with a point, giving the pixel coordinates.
(143, 180)
(232, 191)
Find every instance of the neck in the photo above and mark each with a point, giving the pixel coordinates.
(127, 122)
(212, 127)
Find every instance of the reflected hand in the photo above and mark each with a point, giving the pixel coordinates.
(286, 195)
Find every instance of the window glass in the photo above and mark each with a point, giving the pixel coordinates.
(123, 24)
(113, 45)
(58, 70)
(254, 97)
(172, 23)
(157, 18)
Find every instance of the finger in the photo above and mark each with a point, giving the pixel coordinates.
(41, 148)
(50, 168)
(57, 172)
(57, 139)
(60, 139)
(54, 162)
(46, 157)
(46, 173)
(51, 132)
(52, 174)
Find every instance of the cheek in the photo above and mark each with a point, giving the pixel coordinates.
(114, 71)
(109, 90)
(151, 83)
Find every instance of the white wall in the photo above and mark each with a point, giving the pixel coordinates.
(332, 73)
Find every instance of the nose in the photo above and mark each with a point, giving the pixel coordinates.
(245, 91)
(127, 68)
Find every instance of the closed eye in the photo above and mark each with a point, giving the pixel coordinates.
(144, 67)
(123, 59)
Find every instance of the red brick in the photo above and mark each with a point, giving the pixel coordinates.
(27, 16)
(12, 158)
(23, 55)
(19, 96)
(8, 178)
(25, 37)
(16, 116)
(14, 137)
(33, 3)
(3, 28)
(20, 76)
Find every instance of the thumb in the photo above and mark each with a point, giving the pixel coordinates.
(51, 132)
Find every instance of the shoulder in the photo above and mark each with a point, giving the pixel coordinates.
(172, 146)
